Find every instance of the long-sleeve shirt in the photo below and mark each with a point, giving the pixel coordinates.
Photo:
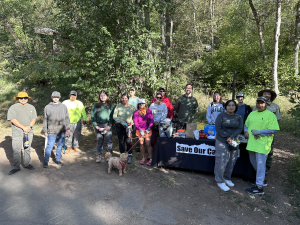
(133, 101)
(213, 110)
(143, 123)
(159, 112)
(169, 105)
(123, 114)
(228, 126)
(102, 115)
(56, 119)
(186, 107)
(76, 110)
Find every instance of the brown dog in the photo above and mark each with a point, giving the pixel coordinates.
(118, 163)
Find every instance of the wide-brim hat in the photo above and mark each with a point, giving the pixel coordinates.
(22, 94)
(273, 94)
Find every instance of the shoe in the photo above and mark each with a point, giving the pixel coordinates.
(29, 167)
(59, 163)
(229, 183)
(143, 161)
(255, 190)
(69, 149)
(45, 165)
(223, 187)
(98, 158)
(149, 162)
(13, 171)
(253, 183)
(129, 159)
(76, 149)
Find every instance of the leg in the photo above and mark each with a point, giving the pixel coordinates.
(27, 151)
(17, 144)
(261, 169)
(128, 143)
(252, 158)
(50, 144)
(120, 133)
(108, 140)
(233, 155)
(221, 160)
(149, 147)
(270, 156)
(70, 139)
(120, 172)
(77, 135)
(60, 143)
(142, 148)
(154, 136)
(99, 137)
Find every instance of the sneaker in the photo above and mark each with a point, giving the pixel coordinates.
(69, 149)
(76, 149)
(13, 171)
(45, 165)
(59, 163)
(223, 187)
(255, 190)
(253, 183)
(229, 183)
(29, 167)
(98, 158)
(129, 159)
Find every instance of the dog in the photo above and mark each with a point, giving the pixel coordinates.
(118, 163)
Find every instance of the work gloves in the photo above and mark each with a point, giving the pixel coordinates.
(148, 130)
(142, 133)
(256, 133)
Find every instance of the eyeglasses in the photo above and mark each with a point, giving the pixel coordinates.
(162, 91)
(158, 97)
(23, 98)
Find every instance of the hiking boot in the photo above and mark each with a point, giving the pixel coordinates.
(255, 190)
(29, 167)
(98, 158)
(223, 187)
(229, 183)
(253, 183)
(129, 159)
(45, 165)
(59, 163)
(13, 171)
(76, 149)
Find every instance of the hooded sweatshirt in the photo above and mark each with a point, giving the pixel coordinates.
(56, 119)
(213, 110)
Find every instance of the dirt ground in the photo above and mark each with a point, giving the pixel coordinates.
(81, 191)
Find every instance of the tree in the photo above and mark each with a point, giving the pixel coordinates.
(297, 37)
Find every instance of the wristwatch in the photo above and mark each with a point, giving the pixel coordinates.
(31, 127)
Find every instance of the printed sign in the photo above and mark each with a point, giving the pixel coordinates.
(202, 149)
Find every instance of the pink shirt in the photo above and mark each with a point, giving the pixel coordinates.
(140, 122)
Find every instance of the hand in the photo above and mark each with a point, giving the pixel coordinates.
(97, 128)
(142, 133)
(148, 130)
(46, 134)
(27, 130)
(107, 127)
(229, 140)
(68, 132)
(246, 134)
(255, 132)
(84, 122)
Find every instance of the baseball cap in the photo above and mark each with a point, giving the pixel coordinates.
(263, 99)
(55, 94)
(240, 95)
(141, 101)
(131, 88)
(73, 93)
(161, 88)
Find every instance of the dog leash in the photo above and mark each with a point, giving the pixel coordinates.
(133, 145)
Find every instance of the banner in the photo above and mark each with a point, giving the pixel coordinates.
(202, 149)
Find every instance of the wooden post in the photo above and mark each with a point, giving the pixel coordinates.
(233, 85)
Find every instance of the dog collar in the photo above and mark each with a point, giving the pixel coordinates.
(122, 164)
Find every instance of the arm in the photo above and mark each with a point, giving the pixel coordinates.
(196, 109)
(45, 124)
(83, 113)
(151, 118)
(278, 115)
(93, 115)
(165, 113)
(177, 105)
(219, 128)
(239, 130)
(135, 119)
(110, 123)
(116, 118)
(67, 119)
(208, 114)
(170, 109)
(18, 124)
(267, 132)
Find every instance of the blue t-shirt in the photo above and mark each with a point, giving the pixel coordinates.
(241, 111)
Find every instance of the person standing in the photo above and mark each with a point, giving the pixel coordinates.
(215, 108)
(243, 109)
(76, 111)
(56, 123)
(22, 117)
(123, 115)
(102, 119)
(133, 100)
(259, 129)
(228, 126)
(143, 120)
(274, 108)
(186, 108)
(167, 101)
(159, 112)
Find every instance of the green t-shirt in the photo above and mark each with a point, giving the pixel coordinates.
(123, 114)
(261, 121)
(24, 114)
(133, 102)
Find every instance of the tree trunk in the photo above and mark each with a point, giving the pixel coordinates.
(8, 27)
(195, 27)
(212, 17)
(162, 30)
(297, 38)
(276, 40)
(259, 28)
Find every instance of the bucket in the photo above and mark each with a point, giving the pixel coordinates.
(210, 130)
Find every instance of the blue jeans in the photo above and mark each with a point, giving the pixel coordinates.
(50, 144)
(100, 140)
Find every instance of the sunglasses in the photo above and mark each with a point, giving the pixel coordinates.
(158, 97)
(24, 98)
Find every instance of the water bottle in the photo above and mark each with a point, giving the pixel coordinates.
(25, 141)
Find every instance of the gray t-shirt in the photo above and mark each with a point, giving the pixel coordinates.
(274, 108)
(133, 101)
(228, 126)
(24, 114)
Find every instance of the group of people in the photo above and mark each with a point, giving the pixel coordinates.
(135, 120)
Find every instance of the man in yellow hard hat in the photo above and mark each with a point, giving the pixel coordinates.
(22, 117)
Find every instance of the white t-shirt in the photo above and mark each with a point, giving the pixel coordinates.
(159, 112)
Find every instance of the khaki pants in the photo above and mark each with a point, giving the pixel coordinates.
(17, 145)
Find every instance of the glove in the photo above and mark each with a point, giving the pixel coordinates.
(125, 124)
(148, 130)
(142, 133)
(84, 122)
(255, 132)
(256, 136)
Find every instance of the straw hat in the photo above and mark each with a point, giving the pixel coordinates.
(22, 95)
